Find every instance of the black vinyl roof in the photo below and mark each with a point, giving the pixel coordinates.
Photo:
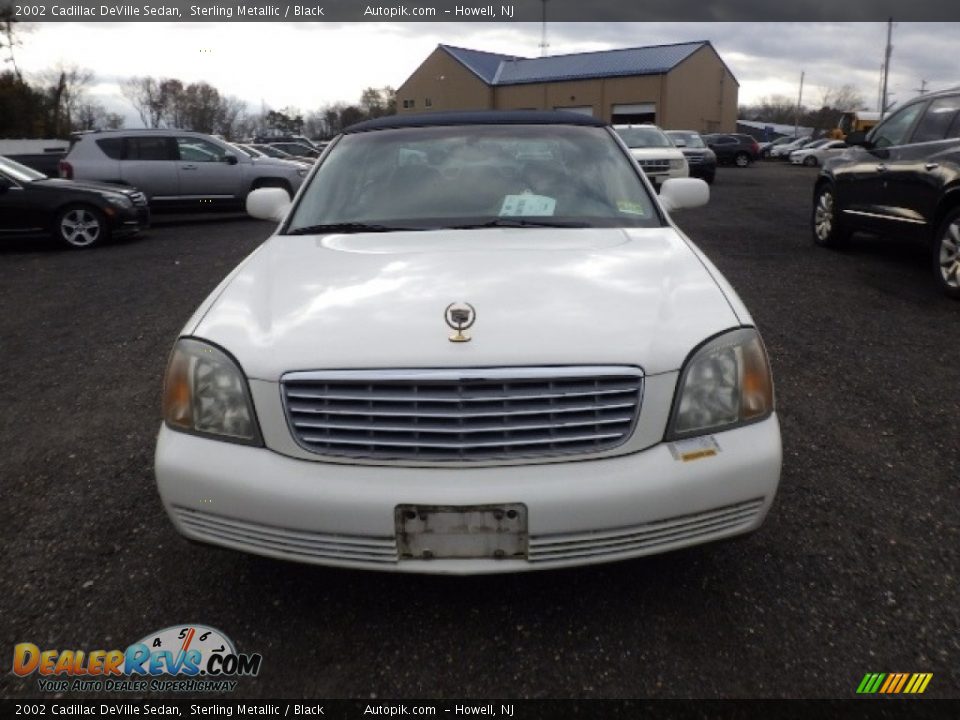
(486, 117)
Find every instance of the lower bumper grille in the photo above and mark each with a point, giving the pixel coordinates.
(463, 414)
(266, 539)
(570, 546)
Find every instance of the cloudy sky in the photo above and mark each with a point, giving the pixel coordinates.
(308, 65)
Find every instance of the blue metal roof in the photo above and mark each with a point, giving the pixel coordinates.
(476, 117)
(495, 69)
(482, 64)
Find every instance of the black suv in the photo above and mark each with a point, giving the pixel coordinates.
(736, 148)
(902, 179)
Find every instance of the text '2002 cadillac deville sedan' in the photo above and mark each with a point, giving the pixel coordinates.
(475, 343)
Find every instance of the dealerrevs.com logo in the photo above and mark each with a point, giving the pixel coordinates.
(182, 658)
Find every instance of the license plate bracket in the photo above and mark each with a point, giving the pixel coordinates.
(425, 532)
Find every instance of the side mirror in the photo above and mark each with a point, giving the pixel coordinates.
(269, 203)
(230, 159)
(680, 193)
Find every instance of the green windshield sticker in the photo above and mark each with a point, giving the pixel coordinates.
(631, 208)
(527, 204)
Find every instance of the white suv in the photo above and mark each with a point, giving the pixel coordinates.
(176, 166)
(654, 152)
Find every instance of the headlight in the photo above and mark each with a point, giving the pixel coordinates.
(121, 201)
(205, 393)
(726, 383)
(678, 164)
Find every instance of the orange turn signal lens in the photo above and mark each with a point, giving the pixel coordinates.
(177, 395)
(756, 393)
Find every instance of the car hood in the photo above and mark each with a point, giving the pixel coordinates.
(85, 185)
(542, 297)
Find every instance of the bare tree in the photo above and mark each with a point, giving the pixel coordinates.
(10, 30)
(92, 115)
(172, 103)
(144, 94)
(230, 116)
(66, 85)
(376, 102)
(200, 107)
(845, 97)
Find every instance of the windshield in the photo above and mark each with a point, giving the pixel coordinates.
(465, 176)
(271, 151)
(641, 137)
(249, 152)
(817, 143)
(19, 172)
(692, 139)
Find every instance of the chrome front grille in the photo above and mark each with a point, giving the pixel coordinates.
(695, 159)
(654, 165)
(463, 415)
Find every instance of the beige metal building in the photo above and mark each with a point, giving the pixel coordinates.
(682, 86)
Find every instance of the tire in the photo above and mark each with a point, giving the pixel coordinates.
(828, 231)
(741, 160)
(81, 226)
(946, 254)
(809, 161)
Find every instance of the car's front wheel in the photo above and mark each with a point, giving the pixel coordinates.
(741, 159)
(946, 254)
(810, 161)
(81, 226)
(828, 230)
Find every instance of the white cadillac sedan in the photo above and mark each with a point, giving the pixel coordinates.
(476, 343)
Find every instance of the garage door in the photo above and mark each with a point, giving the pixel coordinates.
(634, 113)
(582, 109)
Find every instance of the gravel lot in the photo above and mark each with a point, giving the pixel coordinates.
(855, 571)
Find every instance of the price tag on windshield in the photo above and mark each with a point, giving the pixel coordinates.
(527, 205)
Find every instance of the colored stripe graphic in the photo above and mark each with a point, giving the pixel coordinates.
(894, 683)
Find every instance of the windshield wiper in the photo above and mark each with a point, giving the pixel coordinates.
(347, 227)
(520, 222)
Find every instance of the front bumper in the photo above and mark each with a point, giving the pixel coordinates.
(130, 221)
(255, 500)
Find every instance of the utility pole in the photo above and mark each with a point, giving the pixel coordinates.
(796, 116)
(922, 89)
(880, 89)
(543, 30)
(886, 67)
